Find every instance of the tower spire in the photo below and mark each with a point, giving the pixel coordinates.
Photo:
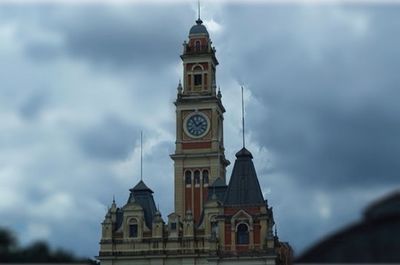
(244, 143)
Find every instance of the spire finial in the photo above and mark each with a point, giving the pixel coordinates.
(276, 230)
(198, 21)
(113, 198)
(141, 155)
(179, 87)
(244, 143)
(219, 164)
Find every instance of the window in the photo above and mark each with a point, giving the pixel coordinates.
(242, 234)
(173, 226)
(214, 228)
(188, 177)
(197, 79)
(197, 45)
(133, 230)
(197, 177)
(205, 176)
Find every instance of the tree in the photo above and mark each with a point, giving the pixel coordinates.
(8, 244)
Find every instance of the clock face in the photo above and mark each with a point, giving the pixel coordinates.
(197, 125)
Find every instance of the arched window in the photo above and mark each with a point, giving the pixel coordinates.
(242, 234)
(214, 227)
(188, 177)
(133, 228)
(205, 176)
(197, 76)
(197, 177)
(197, 45)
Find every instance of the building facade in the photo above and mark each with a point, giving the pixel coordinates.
(213, 223)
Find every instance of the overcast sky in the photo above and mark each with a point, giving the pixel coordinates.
(79, 82)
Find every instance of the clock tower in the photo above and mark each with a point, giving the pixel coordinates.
(213, 223)
(199, 157)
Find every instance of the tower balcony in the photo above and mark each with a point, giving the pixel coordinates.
(200, 49)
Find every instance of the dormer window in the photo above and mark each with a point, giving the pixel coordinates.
(173, 226)
(214, 228)
(242, 234)
(133, 230)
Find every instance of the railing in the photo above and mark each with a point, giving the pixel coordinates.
(149, 246)
(197, 49)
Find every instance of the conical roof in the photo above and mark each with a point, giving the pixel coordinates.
(243, 188)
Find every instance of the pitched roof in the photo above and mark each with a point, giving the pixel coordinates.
(119, 219)
(143, 195)
(141, 187)
(243, 188)
(218, 187)
(219, 182)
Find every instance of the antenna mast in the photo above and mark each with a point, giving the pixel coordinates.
(198, 8)
(141, 155)
(244, 144)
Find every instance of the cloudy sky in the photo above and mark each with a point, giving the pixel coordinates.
(79, 82)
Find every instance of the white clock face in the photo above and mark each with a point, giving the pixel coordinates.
(197, 125)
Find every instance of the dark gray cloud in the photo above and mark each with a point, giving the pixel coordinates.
(140, 36)
(32, 106)
(324, 105)
(111, 139)
(328, 91)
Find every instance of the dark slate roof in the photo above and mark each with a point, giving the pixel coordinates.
(120, 217)
(142, 195)
(219, 182)
(141, 187)
(243, 188)
(199, 28)
(218, 188)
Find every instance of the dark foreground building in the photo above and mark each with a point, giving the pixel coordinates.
(376, 239)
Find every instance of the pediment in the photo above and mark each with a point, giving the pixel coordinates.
(132, 206)
(242, 215)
